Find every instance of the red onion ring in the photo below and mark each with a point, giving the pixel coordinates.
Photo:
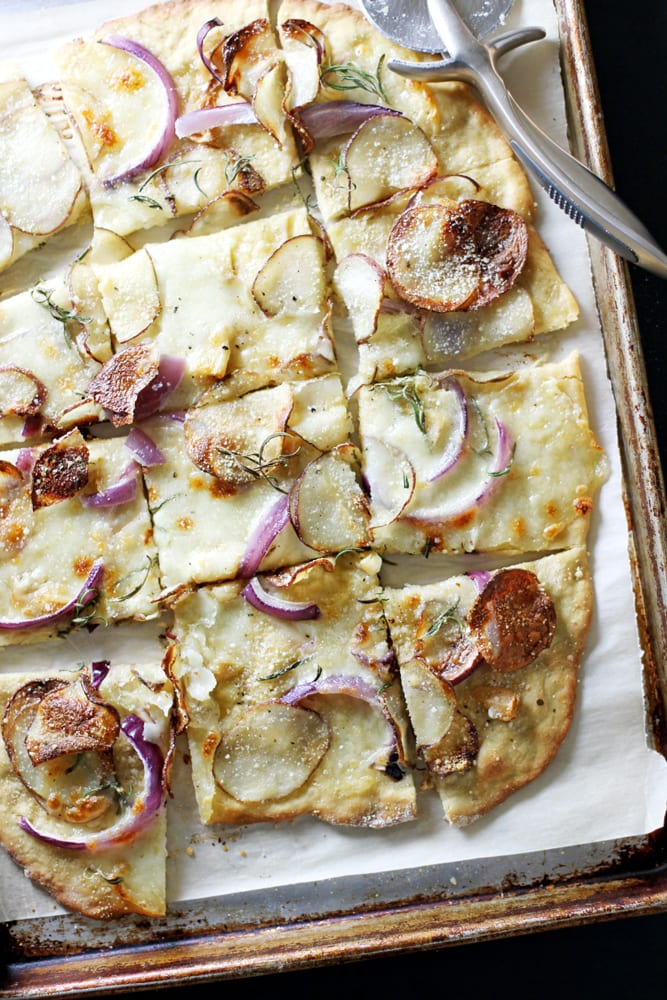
(262, 539)
(456, 445)
(480, 577)
(144, 449)
(168, 378)
(255, 594)
(171, 95)
(234, 113)
(87, 592)
(136, 819)
(214, 22)
(124, 490)
(330, 118)
(98, 671)
(447, 512)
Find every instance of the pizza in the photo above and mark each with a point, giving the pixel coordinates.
(275, 364)
(489, 663)
(84, 767)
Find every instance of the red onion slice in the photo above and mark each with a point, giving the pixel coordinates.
(136, 818)
(234, 113)
(330, 118)
(480, 577)
(202, 34)
(25, 460)
(263, 538)
(388, 758)
(261, 599)
(87, 593)
(122, 491)
(168, 378)
(98, 672)
(452, 453)
(449, 511)
(171, 97)
(144, 449)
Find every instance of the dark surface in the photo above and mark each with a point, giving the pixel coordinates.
(620, 958)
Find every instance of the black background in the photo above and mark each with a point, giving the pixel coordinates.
(622, 957)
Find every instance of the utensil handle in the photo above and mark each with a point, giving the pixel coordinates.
(571, 185)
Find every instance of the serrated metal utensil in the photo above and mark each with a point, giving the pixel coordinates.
(456, 29)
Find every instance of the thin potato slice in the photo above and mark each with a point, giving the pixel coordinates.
(359, 281)
(303, 46)
(270, 752)
(385, 155)
(221, 212)
(327, 508)
(21, 392)
(292, 279)
(431, 702)
(458, 256)
(131, 296)
(390, 476)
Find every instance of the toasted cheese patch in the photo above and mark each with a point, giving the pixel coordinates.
(508, 726)
(314, 702)
(499, 463)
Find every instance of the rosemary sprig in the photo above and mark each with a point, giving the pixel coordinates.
(447, 617)
(44, 297)
(151, 562)
(284, 670)
(235, 166)
(505, 471)
(260, 467)
(145, 199)
(405, 390)
(349, 76)
(91, 871)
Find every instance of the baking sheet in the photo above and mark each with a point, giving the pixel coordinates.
(605, 784)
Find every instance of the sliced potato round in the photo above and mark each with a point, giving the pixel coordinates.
(446, 257)
(270, 752)
(303, 45)
(21, 392)
(221, 212)
(6, 242)
(292, 279)
(431, 702)
(39, 183)
(457, 749)
(391, 480)
(130, 295)
(359, 281)
(327, 508)
(512, 620)
(386, 154)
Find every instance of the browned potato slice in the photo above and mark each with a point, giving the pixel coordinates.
(303, 45)
(385, 155)
(241, 440)
(21, 392)
(512, 620)
(447, 257)
(60, 471)
(270, 752)
(457, 750)
(221, 213)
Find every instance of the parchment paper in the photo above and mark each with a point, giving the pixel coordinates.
(605, 782)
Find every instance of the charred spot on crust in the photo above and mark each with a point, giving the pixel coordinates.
(60, 472)
(513, 620)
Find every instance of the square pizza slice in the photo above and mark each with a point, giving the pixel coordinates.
(174, 105)
(248, 306)
(76, 539)
(292, 698)
(461, 462)
(266, 480)
(489, 663)
(452, 273)
(84, 761)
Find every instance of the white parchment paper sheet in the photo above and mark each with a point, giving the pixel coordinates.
(604, 784)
